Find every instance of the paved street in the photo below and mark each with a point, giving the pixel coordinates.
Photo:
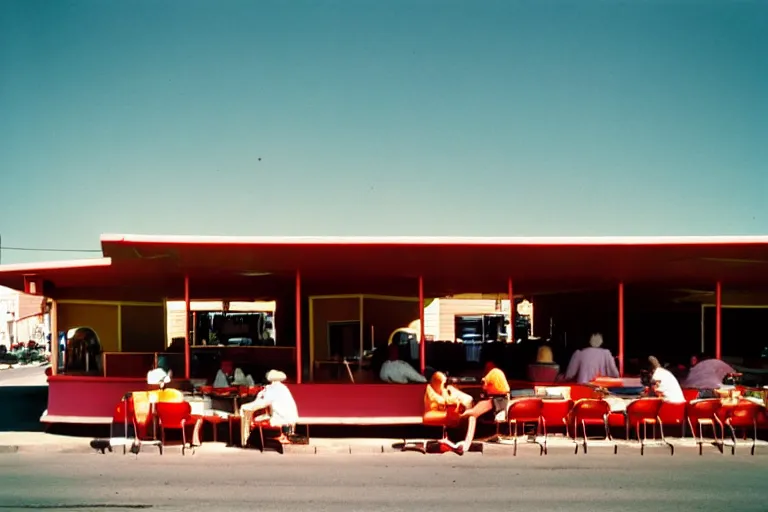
(386, 482)
(24, 376)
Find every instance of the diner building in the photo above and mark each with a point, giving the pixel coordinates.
(316, 307)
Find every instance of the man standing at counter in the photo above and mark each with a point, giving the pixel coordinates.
(591, 362)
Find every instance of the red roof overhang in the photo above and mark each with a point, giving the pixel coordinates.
(391, 264)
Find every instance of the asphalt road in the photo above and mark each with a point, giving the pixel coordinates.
(24, 376)
(387, 482)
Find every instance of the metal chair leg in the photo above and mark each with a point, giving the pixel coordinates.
(754, 437)
(664, 439)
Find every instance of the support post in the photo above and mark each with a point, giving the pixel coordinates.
(422, 341)
(53, 315)
(512, 311)
(718, 320)
(298, 327)
(186, 328)
(621, 329)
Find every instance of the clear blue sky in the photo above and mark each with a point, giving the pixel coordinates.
(370, 117)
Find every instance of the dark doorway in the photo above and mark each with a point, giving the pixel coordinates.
(344, 340)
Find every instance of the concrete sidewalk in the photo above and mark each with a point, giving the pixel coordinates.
(40, 442)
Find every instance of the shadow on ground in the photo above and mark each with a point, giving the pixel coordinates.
(21, 408)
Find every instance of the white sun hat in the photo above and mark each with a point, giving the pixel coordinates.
(276, 376)
(157, 377)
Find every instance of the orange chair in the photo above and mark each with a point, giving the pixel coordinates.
(646, 411)
(178, 416)
(704, 412)
(142, 410)
(744, 415)
(555, 413)
(521, 412)
(451, 419)
(591, 411)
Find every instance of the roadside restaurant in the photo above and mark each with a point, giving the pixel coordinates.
(337, 298)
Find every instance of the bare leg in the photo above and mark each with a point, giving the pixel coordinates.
(472, 414)
(479, 409)
(471, 424)
(246, 416)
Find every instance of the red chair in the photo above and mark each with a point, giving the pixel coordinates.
(690, 394)
(673, 415)
(555, 414)
(543, 372)
(744, 415)
(591, 411)
(262, 422)
(123, 426)
(645, 411)
(178, 416)
(704, 412)
(521, 412)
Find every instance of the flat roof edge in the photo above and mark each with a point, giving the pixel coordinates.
(432, 240)
(55, 265)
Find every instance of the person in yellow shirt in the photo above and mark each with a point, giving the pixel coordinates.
(439, 399)
(495, 398)
(443, 406)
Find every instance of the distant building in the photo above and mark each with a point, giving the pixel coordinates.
(21, 318)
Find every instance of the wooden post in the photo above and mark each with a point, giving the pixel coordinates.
(53, 314)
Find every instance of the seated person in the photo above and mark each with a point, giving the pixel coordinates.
(545, 369)
(281, 408)
(707, 373)
(495, 399)
(398, 372)
(439, 398)
(664, 384)
(222, 375)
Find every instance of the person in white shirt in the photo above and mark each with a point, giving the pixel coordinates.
(398, 372)
(664, 384)
(277, 398)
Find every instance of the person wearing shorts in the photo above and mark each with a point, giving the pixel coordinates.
(495, 399)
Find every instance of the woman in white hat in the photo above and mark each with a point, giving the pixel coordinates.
(277, 398)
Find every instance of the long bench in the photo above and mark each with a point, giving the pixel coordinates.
(358, 404)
